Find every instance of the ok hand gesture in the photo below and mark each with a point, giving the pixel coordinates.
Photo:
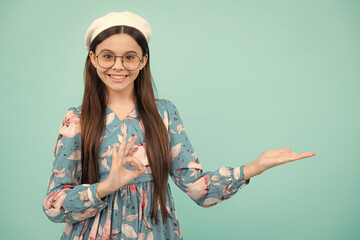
(119, 175)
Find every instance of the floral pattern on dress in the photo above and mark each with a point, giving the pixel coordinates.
(126, 213)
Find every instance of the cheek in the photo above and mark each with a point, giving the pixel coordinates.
(135, 74)
(100, 72)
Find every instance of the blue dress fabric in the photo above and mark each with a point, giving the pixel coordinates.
(126, 213)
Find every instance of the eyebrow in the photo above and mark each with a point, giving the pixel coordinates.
(108, 50)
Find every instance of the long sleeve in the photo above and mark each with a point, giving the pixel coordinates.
(67, 200)
(205, 188)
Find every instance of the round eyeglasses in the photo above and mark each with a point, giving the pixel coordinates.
(130, 62)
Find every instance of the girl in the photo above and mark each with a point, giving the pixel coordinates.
(114, 152)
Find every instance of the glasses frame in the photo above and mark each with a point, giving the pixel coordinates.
(122, 61)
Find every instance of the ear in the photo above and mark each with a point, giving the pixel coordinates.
(93, 58)
(144, 61)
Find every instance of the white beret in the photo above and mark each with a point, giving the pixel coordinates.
(115, 19)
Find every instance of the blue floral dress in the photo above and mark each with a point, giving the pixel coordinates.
(125, 214)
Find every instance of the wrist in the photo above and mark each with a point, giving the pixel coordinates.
(252, 169)
(259, 167)
(104, 188)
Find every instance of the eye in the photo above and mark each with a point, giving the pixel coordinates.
(106, 56)
(130, 57)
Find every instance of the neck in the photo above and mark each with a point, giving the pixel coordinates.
(121, 99)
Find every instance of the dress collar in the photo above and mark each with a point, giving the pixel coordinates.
(131, 115)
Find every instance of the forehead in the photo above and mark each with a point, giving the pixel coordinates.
(119, 44)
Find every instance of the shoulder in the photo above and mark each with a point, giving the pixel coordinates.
(70, 126)
(168, 110)
(74, 111)
(165, 104)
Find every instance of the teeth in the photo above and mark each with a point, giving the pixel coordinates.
(118, 77)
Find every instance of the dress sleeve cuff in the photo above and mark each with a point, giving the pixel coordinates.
(242, 176)
(93, 196)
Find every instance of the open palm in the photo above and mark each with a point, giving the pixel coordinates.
(274, 158)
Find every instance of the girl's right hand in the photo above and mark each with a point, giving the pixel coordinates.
(119, 175)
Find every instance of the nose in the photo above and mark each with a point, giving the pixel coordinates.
(118, 63)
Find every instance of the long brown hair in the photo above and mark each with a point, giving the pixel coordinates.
(92, 118)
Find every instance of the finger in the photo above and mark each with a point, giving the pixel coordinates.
(295, 156)
(307, 154)
(122, 146)
(134, 161)
(114, 153)
(129, 145)
(142, 170)
(132, 164)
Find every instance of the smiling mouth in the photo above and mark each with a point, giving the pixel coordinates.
(118, 76)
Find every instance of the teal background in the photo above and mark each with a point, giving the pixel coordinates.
(246, 76)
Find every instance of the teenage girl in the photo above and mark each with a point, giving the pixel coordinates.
(114, 153)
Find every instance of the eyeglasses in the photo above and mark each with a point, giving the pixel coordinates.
(130, 62)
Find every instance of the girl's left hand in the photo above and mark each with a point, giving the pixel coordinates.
(272, 158)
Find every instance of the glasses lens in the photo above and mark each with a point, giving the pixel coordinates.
(131, 62)
(106, 60)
